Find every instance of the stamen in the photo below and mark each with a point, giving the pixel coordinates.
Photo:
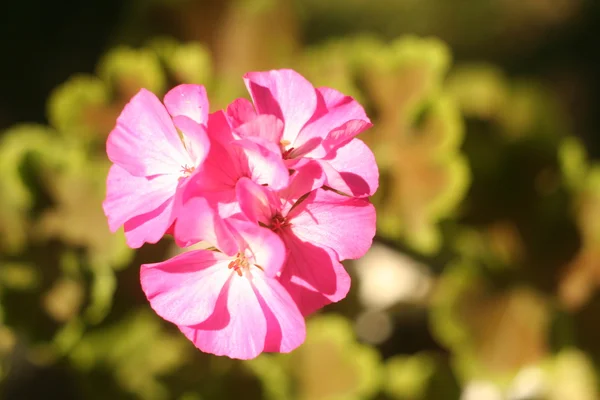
(285, 153)
(240, 264)
(279, 222)
(187, 170)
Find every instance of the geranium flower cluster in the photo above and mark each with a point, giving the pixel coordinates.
(278, 186)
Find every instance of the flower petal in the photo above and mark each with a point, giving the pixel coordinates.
(352, 169)
(185, 288)
(285, 325)
(219, 128)
(195, 140)
(265, 126)
(262, 164)
(188, 100)
(285, 94)
(237, 328)
(343, 224)
(145, 142)
(240, 111)
(265, 247)
(256, 201)
(151, 226)
(307, 177)
(128, 196)
(312, 275)
(199, 220)
(338, 118)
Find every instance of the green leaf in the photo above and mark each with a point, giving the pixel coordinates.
(77, 107)
(353, 370)
(186, 62)
(16, 144)
(128, 70)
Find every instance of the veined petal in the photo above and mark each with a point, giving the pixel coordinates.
(352, 169)
(145, 142)
(240, 111)
(219, 128)
(343, 224)
(265, 126)
(338, 119)
(335, 101)
(257, 202)
(285, 94)
(308, 176)
(184, 289)
(195, 140)
(237, 328)
(199, 220)
(151, 226)
(263, 165)
(128, 196)
(312, 275)
(285, 325)
(188, 100)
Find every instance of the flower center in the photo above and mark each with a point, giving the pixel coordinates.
(278, 222)
(187, 170)
(240, 264)
(285, 154)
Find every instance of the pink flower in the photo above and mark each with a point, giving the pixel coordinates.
(319, 228)
(318, 124)
(229, 304)
(152, 163)
(230, 159)
(263, 183)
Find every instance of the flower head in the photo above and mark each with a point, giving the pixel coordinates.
(277, 186)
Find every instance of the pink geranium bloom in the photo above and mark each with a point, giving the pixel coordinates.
(319, 228)
(318, 124)
(153, 162)
(229, 304)
(213, 185)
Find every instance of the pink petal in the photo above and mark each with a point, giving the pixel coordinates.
(184, 289)
(128, 196)
(312, 275)
(307, 177)
(285, 325)
(144, 141)
(336, 101)
(219, 128)
(262, 246)
(151, 226)
(338, 118)
(240, 111)
(188, 100)
(237, 328)
(262, 164)
(221, 169)
(352, 169)
(265, 126)
(342, 135)
(256, 201)
(199, 220)
(195, 139)
(344, 224)
(285, 94)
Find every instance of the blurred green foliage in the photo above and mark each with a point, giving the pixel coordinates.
(482, 182)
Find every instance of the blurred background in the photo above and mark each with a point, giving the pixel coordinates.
(483, 280)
